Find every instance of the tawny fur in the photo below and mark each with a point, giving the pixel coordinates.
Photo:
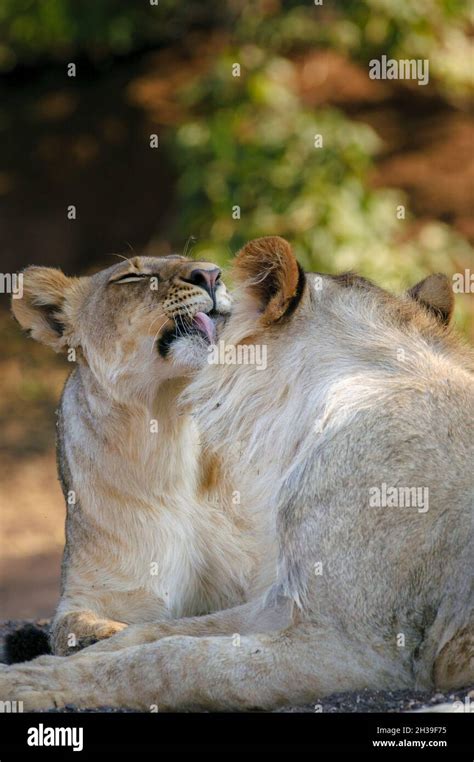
(141, 501)
(361, 388)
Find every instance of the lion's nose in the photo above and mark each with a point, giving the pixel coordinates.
(206, 279)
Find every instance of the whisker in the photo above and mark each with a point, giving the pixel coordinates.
(157, 334)
(191, 238)
(157, 317)
(114, 254)
(131, 248)
(184, 317)
(187, 326)
(232, 253)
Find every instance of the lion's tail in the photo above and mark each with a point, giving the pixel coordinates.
(25, 643)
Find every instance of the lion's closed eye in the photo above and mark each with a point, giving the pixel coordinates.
(132, 278)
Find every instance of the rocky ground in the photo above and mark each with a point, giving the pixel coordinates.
(363, 701)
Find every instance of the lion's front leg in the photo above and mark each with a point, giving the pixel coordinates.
(213, 673)
(247, 618)
(54, 681)
(75, 630)
(174, 673)
(217, 673)
(224, 622)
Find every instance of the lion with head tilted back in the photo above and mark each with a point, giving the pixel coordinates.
(142, 498)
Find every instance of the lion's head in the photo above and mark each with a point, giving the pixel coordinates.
(135, 324)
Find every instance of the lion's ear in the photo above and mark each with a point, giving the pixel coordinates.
(271, 275)
(39, 310)
(435, 293)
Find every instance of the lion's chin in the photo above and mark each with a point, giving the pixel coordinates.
(187, 342)
(190, 352)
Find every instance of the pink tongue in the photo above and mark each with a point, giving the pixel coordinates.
(206, 325)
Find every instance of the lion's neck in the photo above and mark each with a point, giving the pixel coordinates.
(145, 441)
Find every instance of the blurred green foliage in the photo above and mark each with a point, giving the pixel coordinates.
(38, 30)
(249, 142)
(253, 145)
(440, 30)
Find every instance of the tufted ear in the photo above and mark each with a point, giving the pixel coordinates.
(271, 275)
(435, 293)
(39, 311)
